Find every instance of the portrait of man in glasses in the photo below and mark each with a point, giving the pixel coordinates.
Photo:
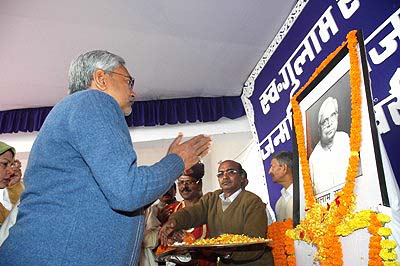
(329, 158)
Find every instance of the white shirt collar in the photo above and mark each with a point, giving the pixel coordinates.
(287, 192)
(5, 199)
(232, 197)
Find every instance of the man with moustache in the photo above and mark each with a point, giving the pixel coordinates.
(281, 170)
(229, 210)
(329, 159)
(190, 186)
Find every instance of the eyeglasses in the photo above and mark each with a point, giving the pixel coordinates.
(187, 183)
(329, 120)
(229, 172)
(4, 165)
(131, 81)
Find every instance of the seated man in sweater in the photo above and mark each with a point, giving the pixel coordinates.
(229, 210)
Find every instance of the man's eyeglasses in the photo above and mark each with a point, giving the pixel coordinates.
(4, 165)
(131, 81)
(329, 120)
(229, 172)
(187, 183)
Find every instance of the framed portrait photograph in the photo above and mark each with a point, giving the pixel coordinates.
(326, 116)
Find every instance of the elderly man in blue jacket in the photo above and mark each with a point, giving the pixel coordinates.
(84, 197)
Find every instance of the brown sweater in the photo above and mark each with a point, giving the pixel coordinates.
(14, 193)
(245, 215)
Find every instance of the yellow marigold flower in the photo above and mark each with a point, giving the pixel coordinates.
(343, 230)
(365, 214)
(387, 254)
(383, 218)
(389, 244)
(353, 222)
(291, 233)
(226, 239)
(391, 263)
(383, 231)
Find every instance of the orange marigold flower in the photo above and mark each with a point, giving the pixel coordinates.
(189, 238)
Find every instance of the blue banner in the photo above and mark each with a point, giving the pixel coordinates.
(312, 31)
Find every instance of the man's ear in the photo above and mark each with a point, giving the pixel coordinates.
(285, 168)
(245, 182)
(99, 80)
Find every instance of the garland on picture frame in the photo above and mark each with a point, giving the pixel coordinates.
(282, 245)
(323, 225)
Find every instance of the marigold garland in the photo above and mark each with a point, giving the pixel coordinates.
(282, 245)
(387, 252)
(323, 225)
(320, 225)
(374, 241)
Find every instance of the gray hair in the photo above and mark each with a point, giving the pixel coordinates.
(323, 106)
(82, 68)
(284, 157)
